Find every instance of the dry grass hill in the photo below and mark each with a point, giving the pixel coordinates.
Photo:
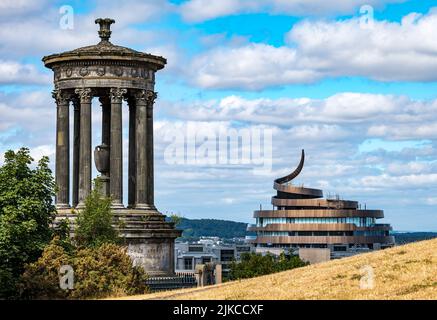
(403, 272)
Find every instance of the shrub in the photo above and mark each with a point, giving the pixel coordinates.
(255, 264)
(99, 272)
(40, 279)
(106, 271)
(94, 222)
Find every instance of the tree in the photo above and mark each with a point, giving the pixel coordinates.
(176, 219)
(256, 264)
(94, 222)
(26, 211)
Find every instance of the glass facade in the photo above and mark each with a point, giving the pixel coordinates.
(357, 221)
(321, 233)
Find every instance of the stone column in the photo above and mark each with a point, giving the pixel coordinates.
(85, 96)
(116, 148)
(132, 162)
(106, 140)
(106, 120)
(62, 150)
(151, 96)
(140, 150)
(76, 145)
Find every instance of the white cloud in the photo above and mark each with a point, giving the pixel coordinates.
(131, 11)
(431, 201)
(12, 72)
(400, 182)
(201, 10)
(330, 130)
(329, 138)
(251, 67)
(373, 115)
(426, 130)
(27, 118)
(10, 9)
(36, 30)
(320, 49)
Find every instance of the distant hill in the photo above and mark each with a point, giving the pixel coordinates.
(407, 237)
(226, 229)
(195, 228)
(403, 272)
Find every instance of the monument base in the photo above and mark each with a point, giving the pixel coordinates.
(148, 237)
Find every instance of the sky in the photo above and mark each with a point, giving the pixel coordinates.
(354, 83)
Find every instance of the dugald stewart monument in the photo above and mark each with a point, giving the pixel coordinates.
(112, 74)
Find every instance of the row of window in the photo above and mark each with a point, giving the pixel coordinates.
(321, 233)
(358, 221)
(304, 233)
(314, 245)
(373, 233)
(188, 262)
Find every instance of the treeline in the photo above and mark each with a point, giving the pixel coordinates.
(407, 237)
(196, 228)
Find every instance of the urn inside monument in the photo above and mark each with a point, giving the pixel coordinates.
(101, 160)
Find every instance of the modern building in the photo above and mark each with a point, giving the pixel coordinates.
(302, 218)
(188, 255)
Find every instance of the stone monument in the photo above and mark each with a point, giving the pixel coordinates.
(113, 74)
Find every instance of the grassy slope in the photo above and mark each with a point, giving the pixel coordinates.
(403, 272)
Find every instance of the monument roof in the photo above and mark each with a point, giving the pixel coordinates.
(104, 50)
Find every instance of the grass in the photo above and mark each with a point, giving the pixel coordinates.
(404, 272)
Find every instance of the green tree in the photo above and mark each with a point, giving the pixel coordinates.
(255, 264)
(176, 219)
(26, 211)
(94, 223)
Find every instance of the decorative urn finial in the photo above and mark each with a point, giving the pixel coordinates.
(105, 28)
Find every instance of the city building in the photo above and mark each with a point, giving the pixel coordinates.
(208, 250)
(302, 218)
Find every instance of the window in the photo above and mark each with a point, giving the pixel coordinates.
(340, 248)
(188, 263)
(336, 233)
(226, 255)
(320, 233)
(304, 233)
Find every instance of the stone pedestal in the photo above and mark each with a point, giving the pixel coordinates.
(149, 239)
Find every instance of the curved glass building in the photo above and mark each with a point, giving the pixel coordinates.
(302, 218)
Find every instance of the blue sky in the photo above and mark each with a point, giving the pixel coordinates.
(360, 98)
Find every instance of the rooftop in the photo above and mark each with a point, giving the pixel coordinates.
(105, 50)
